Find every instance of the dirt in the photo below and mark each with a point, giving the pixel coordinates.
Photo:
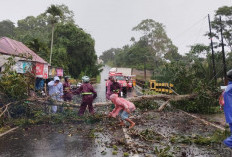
(164, 126)
(153, 135)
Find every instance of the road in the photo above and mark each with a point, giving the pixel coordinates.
(101, 87)
(48, 141)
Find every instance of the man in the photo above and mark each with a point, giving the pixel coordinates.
(123, 108)
(88, 95)
(108, 93)
(228, 107)
(55, 91)
(115, 87)
(67, 89)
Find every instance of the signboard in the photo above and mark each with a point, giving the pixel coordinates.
(39, 70)
(52, 72)
(55, 72)
(59, 72)
(22, 67)
(45, 73)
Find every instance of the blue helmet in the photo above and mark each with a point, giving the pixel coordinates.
(85, 79)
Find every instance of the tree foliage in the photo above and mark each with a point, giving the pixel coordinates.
(7, 28)
(226, 15)
(14, 86)
(152, 50)
(73, 48)
(80, 56)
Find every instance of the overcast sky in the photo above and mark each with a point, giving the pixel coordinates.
(110, 21)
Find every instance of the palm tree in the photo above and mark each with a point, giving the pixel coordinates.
(56, 13)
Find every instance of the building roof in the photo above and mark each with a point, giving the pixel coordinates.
(12, 47)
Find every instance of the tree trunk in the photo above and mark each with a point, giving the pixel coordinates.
(50, 61)
(132, 99)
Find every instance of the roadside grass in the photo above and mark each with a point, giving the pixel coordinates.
(39, 117)
(98, 78)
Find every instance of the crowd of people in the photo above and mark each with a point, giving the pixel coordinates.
(59, 91)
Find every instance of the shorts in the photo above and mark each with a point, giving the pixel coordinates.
(123, 114)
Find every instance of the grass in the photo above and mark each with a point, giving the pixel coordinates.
(125, 154)
(115, 147)
(98, 78)
(39, 117)
(4, 129)
(114, 153)
(216, 137)
(163, 152)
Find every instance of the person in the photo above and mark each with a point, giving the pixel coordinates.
(115, 87)
(67, 89)
(88, 95)
(122, 108)
(55, 91)
(228, 107)
(108, 93)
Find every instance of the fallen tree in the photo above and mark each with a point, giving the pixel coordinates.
(132, 99)
(49, 101)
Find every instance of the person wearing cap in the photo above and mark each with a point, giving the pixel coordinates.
(55, 91)
(123, 108)
(67, 89)
(88, 95)
(228, 107)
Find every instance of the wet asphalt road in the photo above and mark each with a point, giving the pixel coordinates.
(46, 141)
(101, 87)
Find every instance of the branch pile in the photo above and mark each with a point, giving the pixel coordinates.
(49, 101)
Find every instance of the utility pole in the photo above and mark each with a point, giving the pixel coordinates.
(213, 60)
(223, 54)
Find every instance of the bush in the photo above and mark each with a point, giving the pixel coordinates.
(191, 79)
(14, 89)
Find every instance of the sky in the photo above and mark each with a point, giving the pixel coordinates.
(110, 22)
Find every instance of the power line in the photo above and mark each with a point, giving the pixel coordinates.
(199, 32)
(187, 30)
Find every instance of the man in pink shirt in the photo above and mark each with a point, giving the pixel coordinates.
(122, 108)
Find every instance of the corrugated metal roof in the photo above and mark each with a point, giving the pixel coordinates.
(12, 47)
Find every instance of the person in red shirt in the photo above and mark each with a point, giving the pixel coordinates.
(67, 89)
(88, 95)
(115, 87)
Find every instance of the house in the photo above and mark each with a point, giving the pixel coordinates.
(25, 58)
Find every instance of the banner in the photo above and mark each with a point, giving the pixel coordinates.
(59, 72)
(45, 73)
(39, 70)
(22, 67)
(53, 72)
